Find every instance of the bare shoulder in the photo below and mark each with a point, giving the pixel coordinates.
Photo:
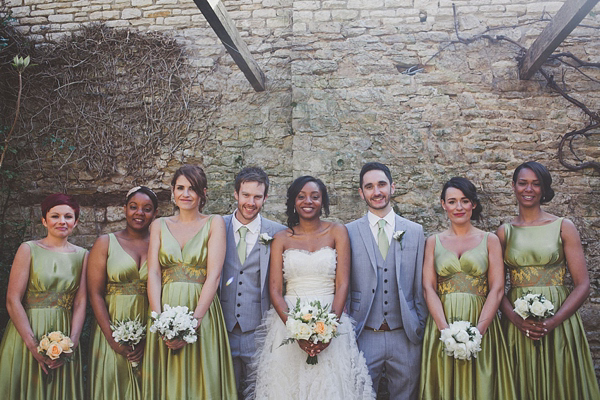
(493, 239)
(568, 227)
(431, 240)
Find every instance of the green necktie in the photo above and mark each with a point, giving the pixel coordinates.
(382, 239)
(241, 247)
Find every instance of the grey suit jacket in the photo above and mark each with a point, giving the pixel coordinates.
(409, 271)
(266, 226)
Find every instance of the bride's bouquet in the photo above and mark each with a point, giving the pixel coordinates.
(534, 306)
(128, 333)
(461, 340)
(312, 322)
(175, 323)
(55, 345)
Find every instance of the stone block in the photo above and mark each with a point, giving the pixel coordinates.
(306, 5)
(60, 18)
(141, 3)
(264, 13)
(130, 13)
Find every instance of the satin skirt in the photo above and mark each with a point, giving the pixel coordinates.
(489, 376)
(201, 370)
(561, 366)
(111, 376)
(22, 378)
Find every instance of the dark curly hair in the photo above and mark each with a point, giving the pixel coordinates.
(292, 193)
(470, 192)
(543, 176)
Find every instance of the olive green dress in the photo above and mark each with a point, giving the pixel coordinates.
(53, 282)
(111, 376)
(462, 288)
(560, 366)
(201, 370)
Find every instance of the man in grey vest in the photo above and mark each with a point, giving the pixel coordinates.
(244, 290)
(386, 294)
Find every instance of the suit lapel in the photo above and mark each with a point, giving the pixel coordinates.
(400, 226)
(367, 236)
(229, 239)
(263, 256)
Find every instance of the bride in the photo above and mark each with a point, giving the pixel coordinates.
(309, 261)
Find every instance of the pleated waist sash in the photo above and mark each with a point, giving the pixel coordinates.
(183, 273)
(49, 300)
(463, 283)
(137, 287)
(537, 276)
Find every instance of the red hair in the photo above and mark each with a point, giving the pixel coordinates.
(58, 199)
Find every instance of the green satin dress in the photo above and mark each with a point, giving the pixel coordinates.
(462, 287)
(201, 370)
(53, 282)
(111, 376)
(560, 367)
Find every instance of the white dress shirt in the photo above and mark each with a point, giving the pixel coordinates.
(251, 235)
(390, 225)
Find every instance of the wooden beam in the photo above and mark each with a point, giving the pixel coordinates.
(215, 13)
(563, 23)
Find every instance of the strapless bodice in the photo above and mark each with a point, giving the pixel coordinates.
(309, 274)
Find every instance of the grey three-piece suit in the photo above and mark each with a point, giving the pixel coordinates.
(389, 290)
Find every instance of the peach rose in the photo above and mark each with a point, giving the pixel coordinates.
(55, 336)
(44, 344)
(306, 317)
(320, 327)
(66, 345)
(54, 351)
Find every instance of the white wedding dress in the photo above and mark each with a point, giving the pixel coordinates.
(281, 372)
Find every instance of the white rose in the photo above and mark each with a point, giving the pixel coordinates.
(450, 343)
(538, 309)
(462, 337)
(549, 306)
(521, 308)
(460, 351)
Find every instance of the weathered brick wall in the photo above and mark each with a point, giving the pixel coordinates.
(336, 98)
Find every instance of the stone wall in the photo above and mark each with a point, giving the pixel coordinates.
(339, 95)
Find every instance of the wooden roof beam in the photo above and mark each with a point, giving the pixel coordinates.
(215, 13)
(566, 19)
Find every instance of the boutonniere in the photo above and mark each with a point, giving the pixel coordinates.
(398, 235)
(265, 239)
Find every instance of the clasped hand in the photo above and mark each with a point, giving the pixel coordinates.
(312, 349)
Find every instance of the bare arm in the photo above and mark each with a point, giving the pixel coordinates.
(96, 284)
(581, 279)
(17, 285)
(154, 274)
(432, 299)
(79, 304)
(495, 283)
(276, 276)
(214, 266)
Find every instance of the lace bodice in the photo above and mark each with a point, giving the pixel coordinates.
(309, 274)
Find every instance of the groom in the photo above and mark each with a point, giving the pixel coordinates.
(244, 286)
(386, 296)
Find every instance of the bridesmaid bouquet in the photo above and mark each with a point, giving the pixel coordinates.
(461, 340)
(175, 323)
(312, 322)
(128, 333)
(533, 305)
(55, 345)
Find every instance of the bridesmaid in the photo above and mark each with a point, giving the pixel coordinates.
(463, 279)
(185, 259)
(46, 292)
(552, 356)
(117, 275)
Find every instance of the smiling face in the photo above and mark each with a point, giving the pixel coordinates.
(185, 197)
(528, 188)
(458, 207)
(250, 198)
(139, 212)
(60, 221)
(377, 191)
(308, 201)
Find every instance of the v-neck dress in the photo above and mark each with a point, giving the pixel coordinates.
(48, 301)
(560, 365)
(111, 376)
(200, 370)
(462, 286)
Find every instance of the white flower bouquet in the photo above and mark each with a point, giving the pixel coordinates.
(461, 340)
(128, 333)
(533, 305)
(312, 322)
(175, 323)
(55, 345)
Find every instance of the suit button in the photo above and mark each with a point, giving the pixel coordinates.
(385, 291)
(241, 272)
(384, 281)
(239, 294)
(385, 313)
(373, 290)
(239, 305)
(238, 315)
(240, 283)
(385, 270)
(385, 302)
